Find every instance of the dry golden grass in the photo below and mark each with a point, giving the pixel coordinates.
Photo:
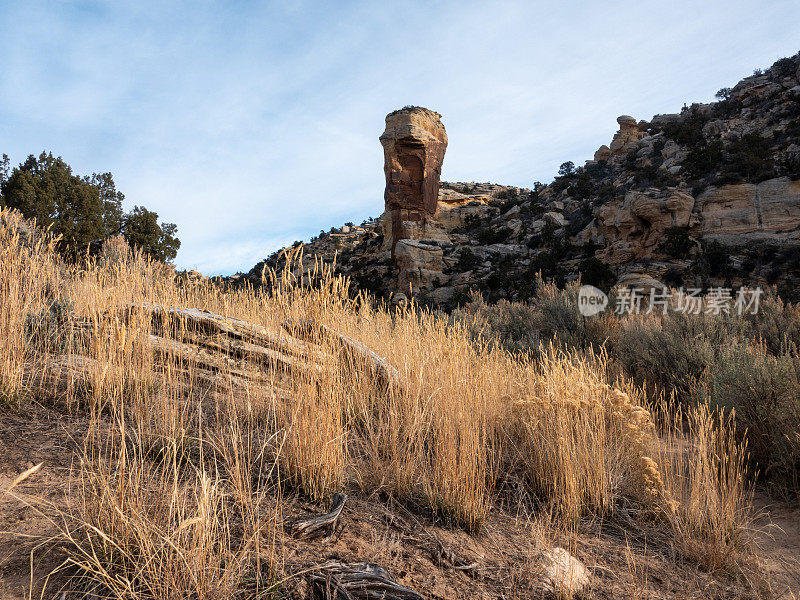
(704, 470)
(183, 473)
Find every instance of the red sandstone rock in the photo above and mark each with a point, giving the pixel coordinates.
(414, 144)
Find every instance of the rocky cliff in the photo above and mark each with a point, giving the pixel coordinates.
(706, 196)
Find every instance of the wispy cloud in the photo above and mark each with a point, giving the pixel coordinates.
(251, 125)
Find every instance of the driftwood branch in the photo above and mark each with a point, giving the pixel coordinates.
(451, 559)
(357, 581)
(312, 527)
(440, 553)
(234, 329)
(312, 331)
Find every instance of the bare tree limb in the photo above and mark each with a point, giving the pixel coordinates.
(328, 521)
(312, 331)
(357, 581)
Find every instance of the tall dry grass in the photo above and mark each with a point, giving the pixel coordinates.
(704, 467)
(184, 470)
(584, 444)
(28, 278)
(749, 363)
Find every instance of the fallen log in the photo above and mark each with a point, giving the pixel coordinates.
(319, 524)
(334, 580)
(312, 331)
(440, 553)
(235, 329)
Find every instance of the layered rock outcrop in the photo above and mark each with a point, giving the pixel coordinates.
(739, 214)
(735, 215)
(419, 265)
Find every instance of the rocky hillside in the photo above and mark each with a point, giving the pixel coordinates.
(706, 196)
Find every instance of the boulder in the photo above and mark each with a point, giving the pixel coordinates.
(515, 225)
(590, 235)
(443, 295)
(537, 225)
(563, 574)
(670, 149)
(642, 286)
(555, 218)
(641, 282)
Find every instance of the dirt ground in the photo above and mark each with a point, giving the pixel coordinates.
(778, 542)
(409, 544)
(29, 437)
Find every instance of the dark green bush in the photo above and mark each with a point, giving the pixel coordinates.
(723, 93)
(688, 130)
(493, 235)
(673, 277)
(764, 391)
(672, 354)
(560, 184)
(546, 264)
(784, 67)
(467, 260)
(748, 158)
(652, 176)
(597, 273)
(703, 160)
(716, 259)
(567, 169)
(507, 194)
(677, 243)
(789, 166)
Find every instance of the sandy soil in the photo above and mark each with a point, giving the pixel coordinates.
(29, 437)
(778, 542)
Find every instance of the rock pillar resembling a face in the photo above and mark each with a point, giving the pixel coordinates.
(414, 144)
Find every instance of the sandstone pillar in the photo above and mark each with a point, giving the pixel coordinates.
(414, 144)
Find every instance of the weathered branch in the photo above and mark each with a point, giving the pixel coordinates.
(357, 581)
(312, 331)
(316, 525)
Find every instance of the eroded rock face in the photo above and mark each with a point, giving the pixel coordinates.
(414, 144)
(634, 226)
(619, 208)
(419, 265)
(603, 153)
(740, 213)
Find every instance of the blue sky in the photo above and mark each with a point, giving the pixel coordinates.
(253, 124)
